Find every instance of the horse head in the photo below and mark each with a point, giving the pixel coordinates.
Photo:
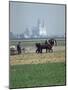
(53, 42)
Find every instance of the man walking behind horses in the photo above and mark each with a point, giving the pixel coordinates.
(19, 47)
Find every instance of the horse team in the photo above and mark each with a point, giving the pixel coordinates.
(48, 45)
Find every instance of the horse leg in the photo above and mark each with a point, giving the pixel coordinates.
(37, 50)
(40, 50)
(46, 50)
(51, 50)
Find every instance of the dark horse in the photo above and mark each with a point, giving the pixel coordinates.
(48, 46)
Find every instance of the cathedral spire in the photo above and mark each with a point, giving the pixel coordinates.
(42, 23)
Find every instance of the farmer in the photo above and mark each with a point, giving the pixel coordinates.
(19, 47)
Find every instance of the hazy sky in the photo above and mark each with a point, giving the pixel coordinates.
(26, 15)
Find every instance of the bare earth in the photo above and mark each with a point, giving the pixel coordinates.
(30, 57)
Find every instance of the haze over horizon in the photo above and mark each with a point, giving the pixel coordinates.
(26, 15)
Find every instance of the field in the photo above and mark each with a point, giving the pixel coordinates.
(31, 69)
(33, 58)
(32, 75)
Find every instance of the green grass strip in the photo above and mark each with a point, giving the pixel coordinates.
(35, 75)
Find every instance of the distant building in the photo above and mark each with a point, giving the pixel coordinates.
(42, 30)
(35, 33)
(39, 30)
(26, 33)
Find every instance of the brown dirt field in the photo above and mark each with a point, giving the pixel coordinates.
(33, 58)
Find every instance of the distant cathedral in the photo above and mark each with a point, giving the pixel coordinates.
(42, 28)
(37, 31)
